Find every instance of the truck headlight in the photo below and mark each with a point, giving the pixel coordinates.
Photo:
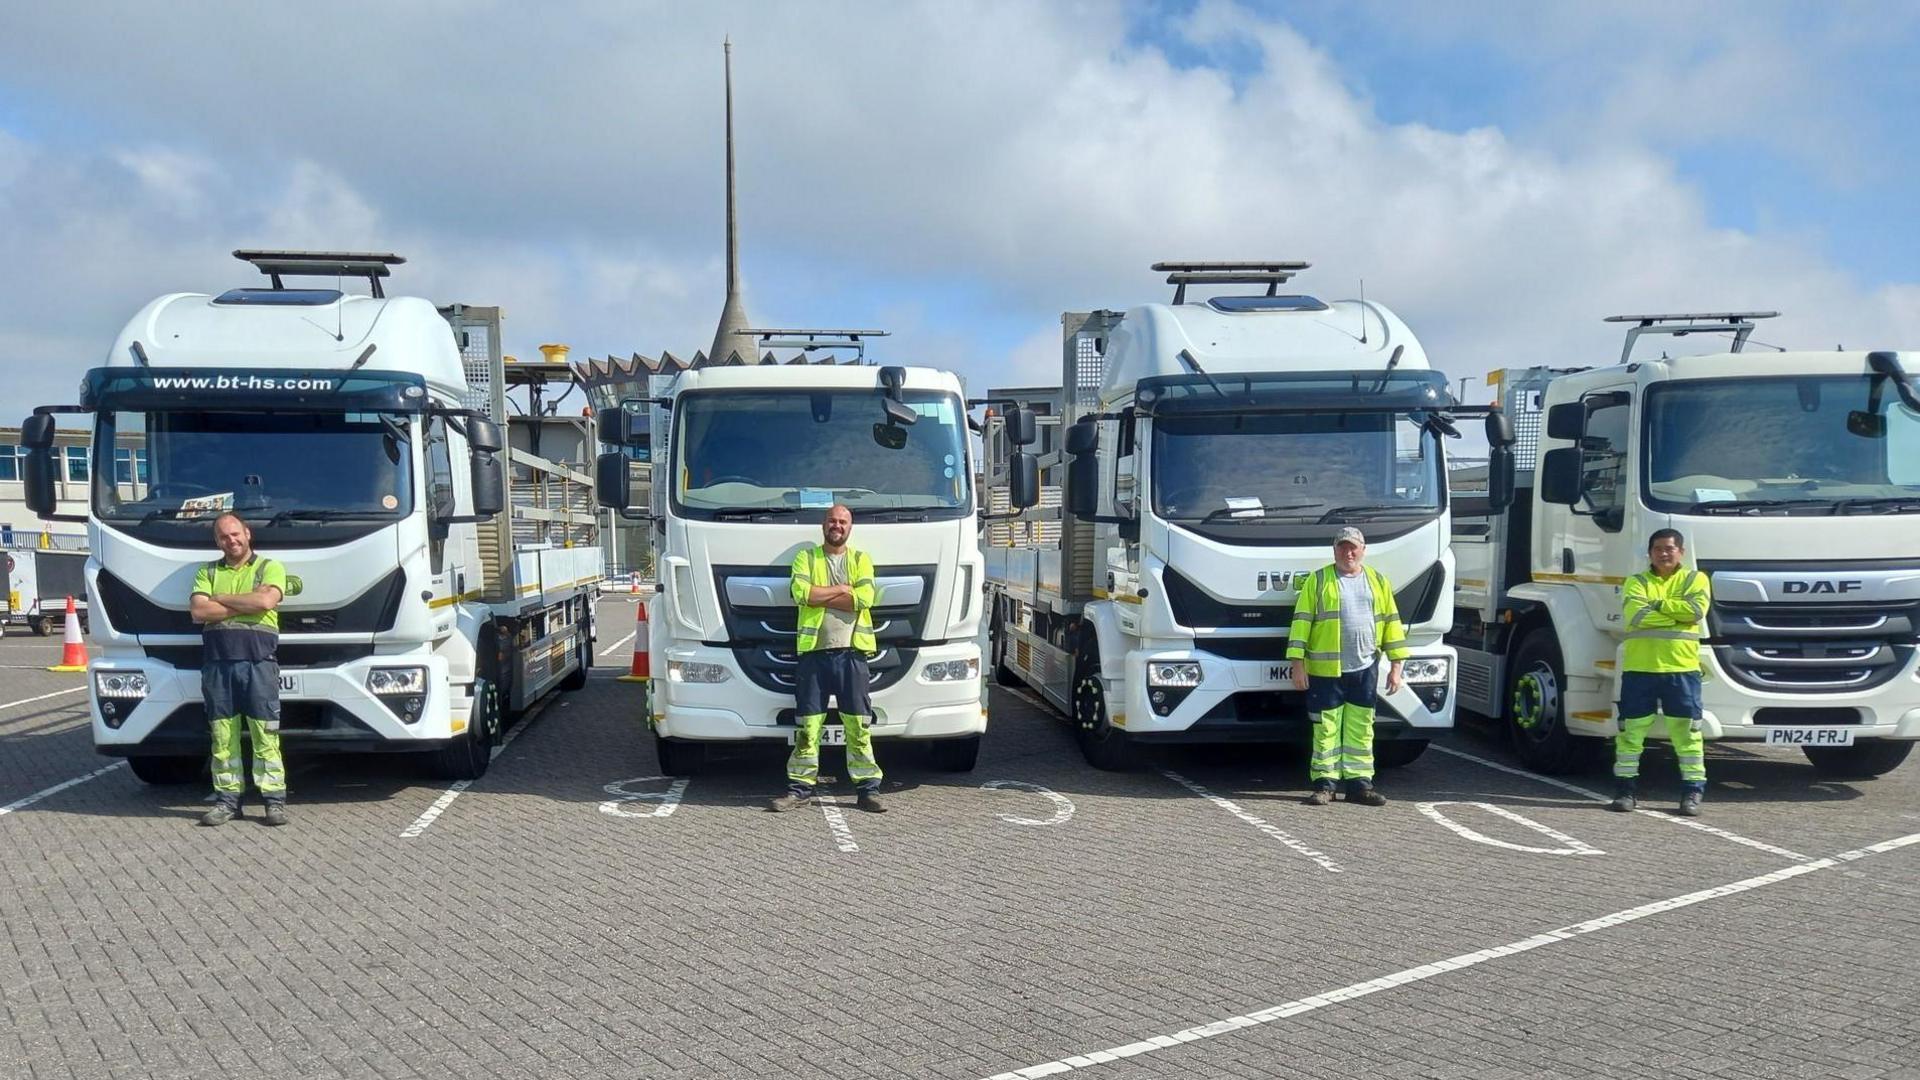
(120, 685)
(951, 670)
(397, 681)
(1426, 669)
(1184, 673)
(693, 671)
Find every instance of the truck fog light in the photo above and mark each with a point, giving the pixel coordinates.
(693, 671)
(124, 685)
(1173, 673)
(951, 670)
(397, 682)
(1428, 669)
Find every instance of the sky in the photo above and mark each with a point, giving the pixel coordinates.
(959, 173)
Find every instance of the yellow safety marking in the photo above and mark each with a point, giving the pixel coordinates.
(458, 726)
(1472, 582)
(446, 601)
(1119, 719)
(1607, 664)
(1601, 715)
(1583, 579)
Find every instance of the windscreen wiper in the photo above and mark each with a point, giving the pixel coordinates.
(1376, 508)
(1749, 506)
(728, 512)
(1253, 513)
(1891, 504)
(168, 513)
(895, 513)
(286, 516)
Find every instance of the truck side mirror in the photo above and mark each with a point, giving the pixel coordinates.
(489, 483)
(1083, 485)
(1559, 476)
(1566, 420)
(36, 431)
(1499, 478)
(610, 481)
(612, 425)
(483, 436)
(1084, 436)
(1021, 427)
(1499, 429)
(1023, 480)
(37, 478)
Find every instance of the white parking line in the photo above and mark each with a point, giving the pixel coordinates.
(609, 649)
(1441, 967)
(1260, 823)
(837, 823)
(1692, 823)
(57, 788)
(42, 697)
(1062, 806)
(1572, 846)
(669, 799)
(440, 804)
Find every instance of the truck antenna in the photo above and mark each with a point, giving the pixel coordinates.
(1363, 311)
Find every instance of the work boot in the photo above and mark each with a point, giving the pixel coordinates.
(789, 801)
(1623, 800)
(221, 813)
(276, 813)
(1690, 804)
(1320, 796)
(869, 802)
(1366, 796)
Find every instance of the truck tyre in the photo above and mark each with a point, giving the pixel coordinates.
(152, 769)
(1861, 761)
(1105, 746)
(471, 751)
(678, 757)
(1537, 710)
(1397, 753)
(1002, 673)
(954, 755)
(577, 678)
(37, 624)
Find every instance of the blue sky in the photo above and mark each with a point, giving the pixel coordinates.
(1502, 174)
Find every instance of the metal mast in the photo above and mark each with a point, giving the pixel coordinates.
(733, 316)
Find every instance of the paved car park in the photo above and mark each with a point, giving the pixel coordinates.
(576, 913)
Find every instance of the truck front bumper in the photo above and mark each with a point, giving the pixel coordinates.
(1732, 711)
(1254, 700)
(736, 710)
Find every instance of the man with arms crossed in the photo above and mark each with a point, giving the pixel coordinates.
(1663, 609)
(832, 583)
(234, 601)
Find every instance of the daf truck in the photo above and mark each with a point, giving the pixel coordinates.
(1197, 459)
(745, 461)
(442, 588)
(1794, 478)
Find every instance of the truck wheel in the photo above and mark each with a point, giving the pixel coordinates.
(954, 755)
(1861, 761)
(168, 770)
(577, 678)
(1002, 673)
(1398, 753)
(37, 624)
(1537, 710)
(1105, 746)
(471, 752)
(679, 758)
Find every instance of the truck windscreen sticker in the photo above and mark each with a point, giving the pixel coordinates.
(302, 383)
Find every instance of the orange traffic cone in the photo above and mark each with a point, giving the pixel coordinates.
(73, 654)
(640, 672)
(633, 584)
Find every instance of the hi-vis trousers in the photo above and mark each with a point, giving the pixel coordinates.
(1342, 712)
(1676, 695)
(843, 674)
(237, 692)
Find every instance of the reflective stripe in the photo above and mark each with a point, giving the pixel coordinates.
(1640, 616)
(1664, 635)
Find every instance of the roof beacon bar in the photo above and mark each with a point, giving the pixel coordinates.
(1738, 323)
(811, 340)
(334, 264)
(1270, 273)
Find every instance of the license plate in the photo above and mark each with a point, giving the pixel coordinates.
(830, 735)
(289, 684)
(1280, 673)
(1809, 736)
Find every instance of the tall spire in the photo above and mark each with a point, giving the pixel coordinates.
(733, 316)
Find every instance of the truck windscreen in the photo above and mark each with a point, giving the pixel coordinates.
(803, 450)
(1294, 467)
(292, 470)
(1816, 444)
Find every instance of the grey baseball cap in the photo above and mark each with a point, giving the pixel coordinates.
(1349, 535)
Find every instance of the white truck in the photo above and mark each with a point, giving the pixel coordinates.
(745, 462)
(1198, 459)
(360, 438)
(1795, 479)
(35, 584)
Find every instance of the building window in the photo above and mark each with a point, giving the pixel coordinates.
(10, 457)
(77, 464)
(122, 466)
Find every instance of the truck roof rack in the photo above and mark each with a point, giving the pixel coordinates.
(334, 264)
(1738, 323)
(1270, 273)
(811, 340)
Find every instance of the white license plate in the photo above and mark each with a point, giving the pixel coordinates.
(1280, 673)
(289, 684)
(1809, 736)
(830, 735)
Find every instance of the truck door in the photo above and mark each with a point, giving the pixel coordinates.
(1600, 543)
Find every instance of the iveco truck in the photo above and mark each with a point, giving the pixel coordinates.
(1795, 479)
(745, 461)
(360, 437)
(1198, 458)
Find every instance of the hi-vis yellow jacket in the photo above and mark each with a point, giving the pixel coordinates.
(1665, 618)
(1315, 636)
(810, 569)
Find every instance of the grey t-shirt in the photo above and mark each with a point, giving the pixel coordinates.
(837, 631)
(1357, 635)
